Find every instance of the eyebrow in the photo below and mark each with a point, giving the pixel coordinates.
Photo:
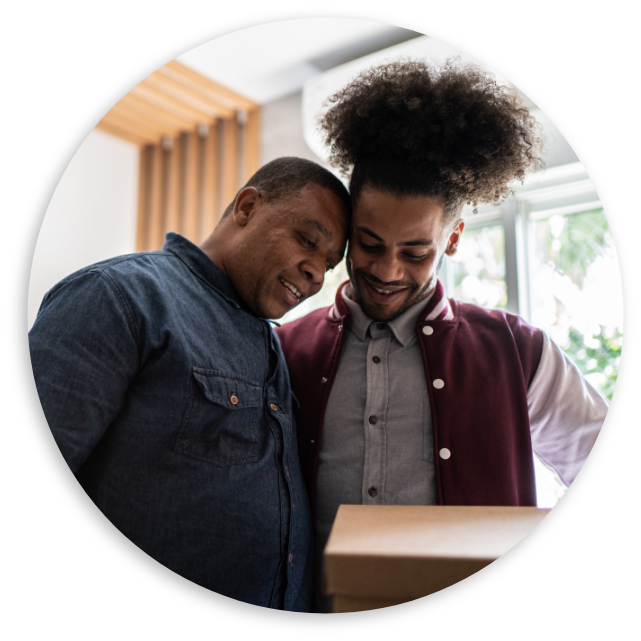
(319, 227)
(419, 242)
(316, 224)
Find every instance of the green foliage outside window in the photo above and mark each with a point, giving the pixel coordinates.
(576, 294)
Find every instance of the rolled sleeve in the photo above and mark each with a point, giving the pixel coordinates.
(566, 413)
(84, 356)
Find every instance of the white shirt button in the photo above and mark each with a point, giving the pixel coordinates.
(445, 453)
(438, 383)
(427, 330)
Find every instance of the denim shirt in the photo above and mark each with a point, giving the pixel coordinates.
(172, 405)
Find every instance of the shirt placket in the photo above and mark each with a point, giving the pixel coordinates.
(279, 427)
(375, 418)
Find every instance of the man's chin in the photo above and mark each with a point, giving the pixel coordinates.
(379, 312)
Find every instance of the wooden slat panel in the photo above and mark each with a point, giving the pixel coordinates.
(173, 105)
(252, 145)
(148, 135)
(189, 214)
(134, 138)
(190, 97)
(143, 199)
(172, 187)
(122, 110)
(166, 123)
(209, 213)
(155, 221)
(150, 110)
(229, 162)
(136, 124)
(188, 76)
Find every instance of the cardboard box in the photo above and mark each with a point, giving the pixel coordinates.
(378, 556)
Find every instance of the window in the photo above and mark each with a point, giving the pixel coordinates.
(478, 267)
(575, 291)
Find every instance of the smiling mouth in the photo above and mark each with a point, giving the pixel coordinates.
(291, 288)
(383, 293)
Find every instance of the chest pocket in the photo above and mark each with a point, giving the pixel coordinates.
(221, 423)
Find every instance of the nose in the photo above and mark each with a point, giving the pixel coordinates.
(314, 270)
(387, 268)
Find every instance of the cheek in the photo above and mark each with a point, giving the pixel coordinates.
(423, 274)
(356, 257)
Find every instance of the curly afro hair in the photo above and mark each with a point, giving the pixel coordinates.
(448, 131)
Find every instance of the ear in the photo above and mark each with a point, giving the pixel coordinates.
(248, 201)
(455, 237)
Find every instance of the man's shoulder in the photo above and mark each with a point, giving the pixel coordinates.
(138, 264)
(312, 319)
(306, 333)
(121, 268)
(470, 313)
(503, 328)
(134, 273)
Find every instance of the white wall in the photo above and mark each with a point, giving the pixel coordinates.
(282, 130)
(92, 215)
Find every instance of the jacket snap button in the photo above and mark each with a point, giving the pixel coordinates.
(445, 453)
(372, 491)
(376, 359)
(427, 330)
(234, 400)
(323, 380)
(373, 419)
(438, 383)
(274, 407)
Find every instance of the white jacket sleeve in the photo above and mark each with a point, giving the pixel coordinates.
(566, 413)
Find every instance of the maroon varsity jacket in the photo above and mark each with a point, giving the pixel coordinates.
(478, 364)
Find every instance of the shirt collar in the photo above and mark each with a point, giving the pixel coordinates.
(202, 266)
(403, 326)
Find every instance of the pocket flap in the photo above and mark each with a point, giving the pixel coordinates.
(229, 390)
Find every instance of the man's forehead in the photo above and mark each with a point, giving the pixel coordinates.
(405, 237)
(407, 221)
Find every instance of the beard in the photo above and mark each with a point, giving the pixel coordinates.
(380, 312)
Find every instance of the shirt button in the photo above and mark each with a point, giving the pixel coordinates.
(445, 453)
(438, 383)
(373, 419)
(274, 407)
(372, 491)
(312, 441)
(427, 330)
(234, 400)
(376, 359)
(324, 380)
(340, 327)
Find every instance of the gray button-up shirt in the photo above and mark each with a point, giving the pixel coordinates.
(377, 433)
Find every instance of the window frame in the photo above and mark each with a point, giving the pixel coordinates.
(561, 190)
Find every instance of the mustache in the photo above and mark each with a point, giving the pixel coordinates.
(394, 283)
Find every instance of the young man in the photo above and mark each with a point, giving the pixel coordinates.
(167, 393)
(406, 397)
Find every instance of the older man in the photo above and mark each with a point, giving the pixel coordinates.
(166, 390)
